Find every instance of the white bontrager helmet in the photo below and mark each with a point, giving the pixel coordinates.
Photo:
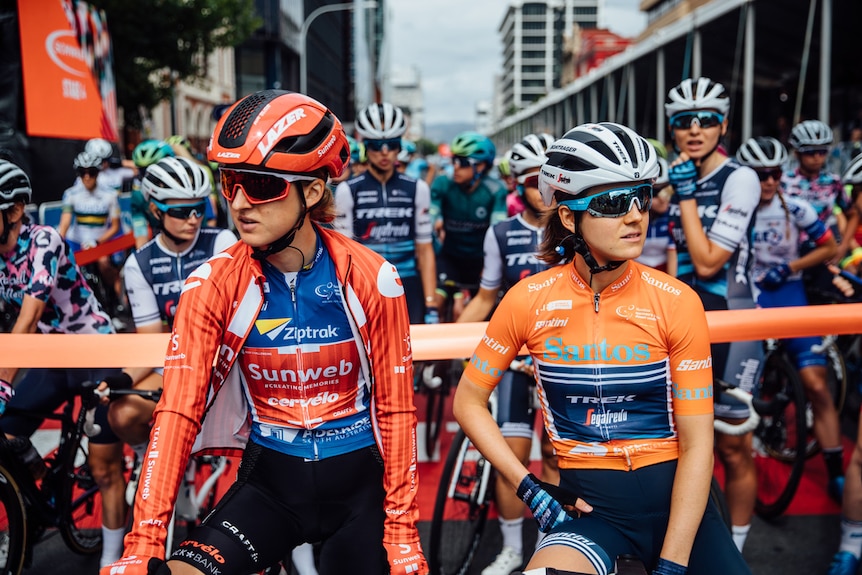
(176, 179)
(592, 155)
(662, 179)
(99, 147)
(14, 185)
(700, 94)
(810, 134)
(529, 153)
(381, 122)
(762, 152)
(853, 173)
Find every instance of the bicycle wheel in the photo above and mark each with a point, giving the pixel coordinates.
(79, 506)
(435, 401)
(781, 437)
(13, 525)
(461, 509)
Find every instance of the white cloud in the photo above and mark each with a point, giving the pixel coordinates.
(456, 48)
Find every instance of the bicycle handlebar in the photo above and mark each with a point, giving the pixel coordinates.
(749, 424)
(91, 428)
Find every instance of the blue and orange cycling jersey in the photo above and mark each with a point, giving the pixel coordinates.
(613, 369)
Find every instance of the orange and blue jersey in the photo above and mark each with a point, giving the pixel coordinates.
(206, 406)
(613, 369)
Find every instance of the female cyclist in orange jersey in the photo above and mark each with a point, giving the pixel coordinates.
(623, 368)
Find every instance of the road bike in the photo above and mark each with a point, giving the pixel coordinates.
(65, 500)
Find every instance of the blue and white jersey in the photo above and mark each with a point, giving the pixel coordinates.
(390, 218)
(510, 253)
(154, 275)
(301, 369)
(778, 230)
(726, 202)
(92, 212)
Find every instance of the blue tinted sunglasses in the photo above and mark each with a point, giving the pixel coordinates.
(613, 203)
(392, 144)
(704, 119)
(182, 211)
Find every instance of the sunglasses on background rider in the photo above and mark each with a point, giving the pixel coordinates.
(182, 211)
(704, 119)
(391, 145)
(613, 203)
(765, 174)
(818, 151)
(529, 180)
(464, 162)
(259, 187)
(92, 172)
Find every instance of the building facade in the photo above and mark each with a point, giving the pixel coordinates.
(533, 36)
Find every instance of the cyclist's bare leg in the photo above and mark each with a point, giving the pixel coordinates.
(740, 483)
(460, 300)
(827, 428)
(106, 465)
(130, 415)
(110, 275)
(561, 557)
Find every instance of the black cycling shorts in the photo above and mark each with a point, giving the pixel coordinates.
(280, 501)
(42, 391)
(458, 273)
(630, 516)
(516, 414)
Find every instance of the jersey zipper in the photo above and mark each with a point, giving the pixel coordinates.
(302, 396)
(596, 302)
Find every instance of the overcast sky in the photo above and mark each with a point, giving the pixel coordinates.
(456, 47)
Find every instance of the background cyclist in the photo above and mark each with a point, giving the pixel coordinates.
(811, 141)
(389, 212)
(711, 222)
(144, 155)
(46, 290)
(509, 256)
(310, 337)
(777, 272)
(621, 354)
(463, 207)
(177, 190)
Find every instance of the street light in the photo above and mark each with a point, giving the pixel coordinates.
(303, 32)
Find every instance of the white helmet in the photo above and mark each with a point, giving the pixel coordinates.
(700, 94)
(762, 152)
(810, 134)
(87, 160)
(662, 179)
(529, 153)
(381, 122)
(853, 173)
(100, 148)
(176, 179)
(14, 185)
(592, 155)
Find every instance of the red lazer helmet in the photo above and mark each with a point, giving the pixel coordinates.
(280, 131)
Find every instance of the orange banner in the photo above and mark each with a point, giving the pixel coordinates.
(429, 341)
(68, 78)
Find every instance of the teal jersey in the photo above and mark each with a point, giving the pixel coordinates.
(467, 216)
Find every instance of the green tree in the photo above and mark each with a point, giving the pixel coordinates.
(159, 42)
(426, 147)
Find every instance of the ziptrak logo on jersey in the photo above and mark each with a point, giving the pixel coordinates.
(273, 328)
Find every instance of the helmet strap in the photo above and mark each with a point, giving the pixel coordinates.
(284, 241)
(166, 233)
(7, 229)
(580, 246)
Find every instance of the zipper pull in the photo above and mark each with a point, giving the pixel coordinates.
(596, 301)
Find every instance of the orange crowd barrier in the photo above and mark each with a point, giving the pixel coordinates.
(120, 243)
(443, 341)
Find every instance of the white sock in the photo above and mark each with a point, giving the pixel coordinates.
(511, 530)
(140, 449)
(851, 537)
(740, 533)
(112, 545)
(303, 559)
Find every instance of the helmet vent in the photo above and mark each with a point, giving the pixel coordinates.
(593, 142)
(568, 162)
(309, 142)
(238, 124)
